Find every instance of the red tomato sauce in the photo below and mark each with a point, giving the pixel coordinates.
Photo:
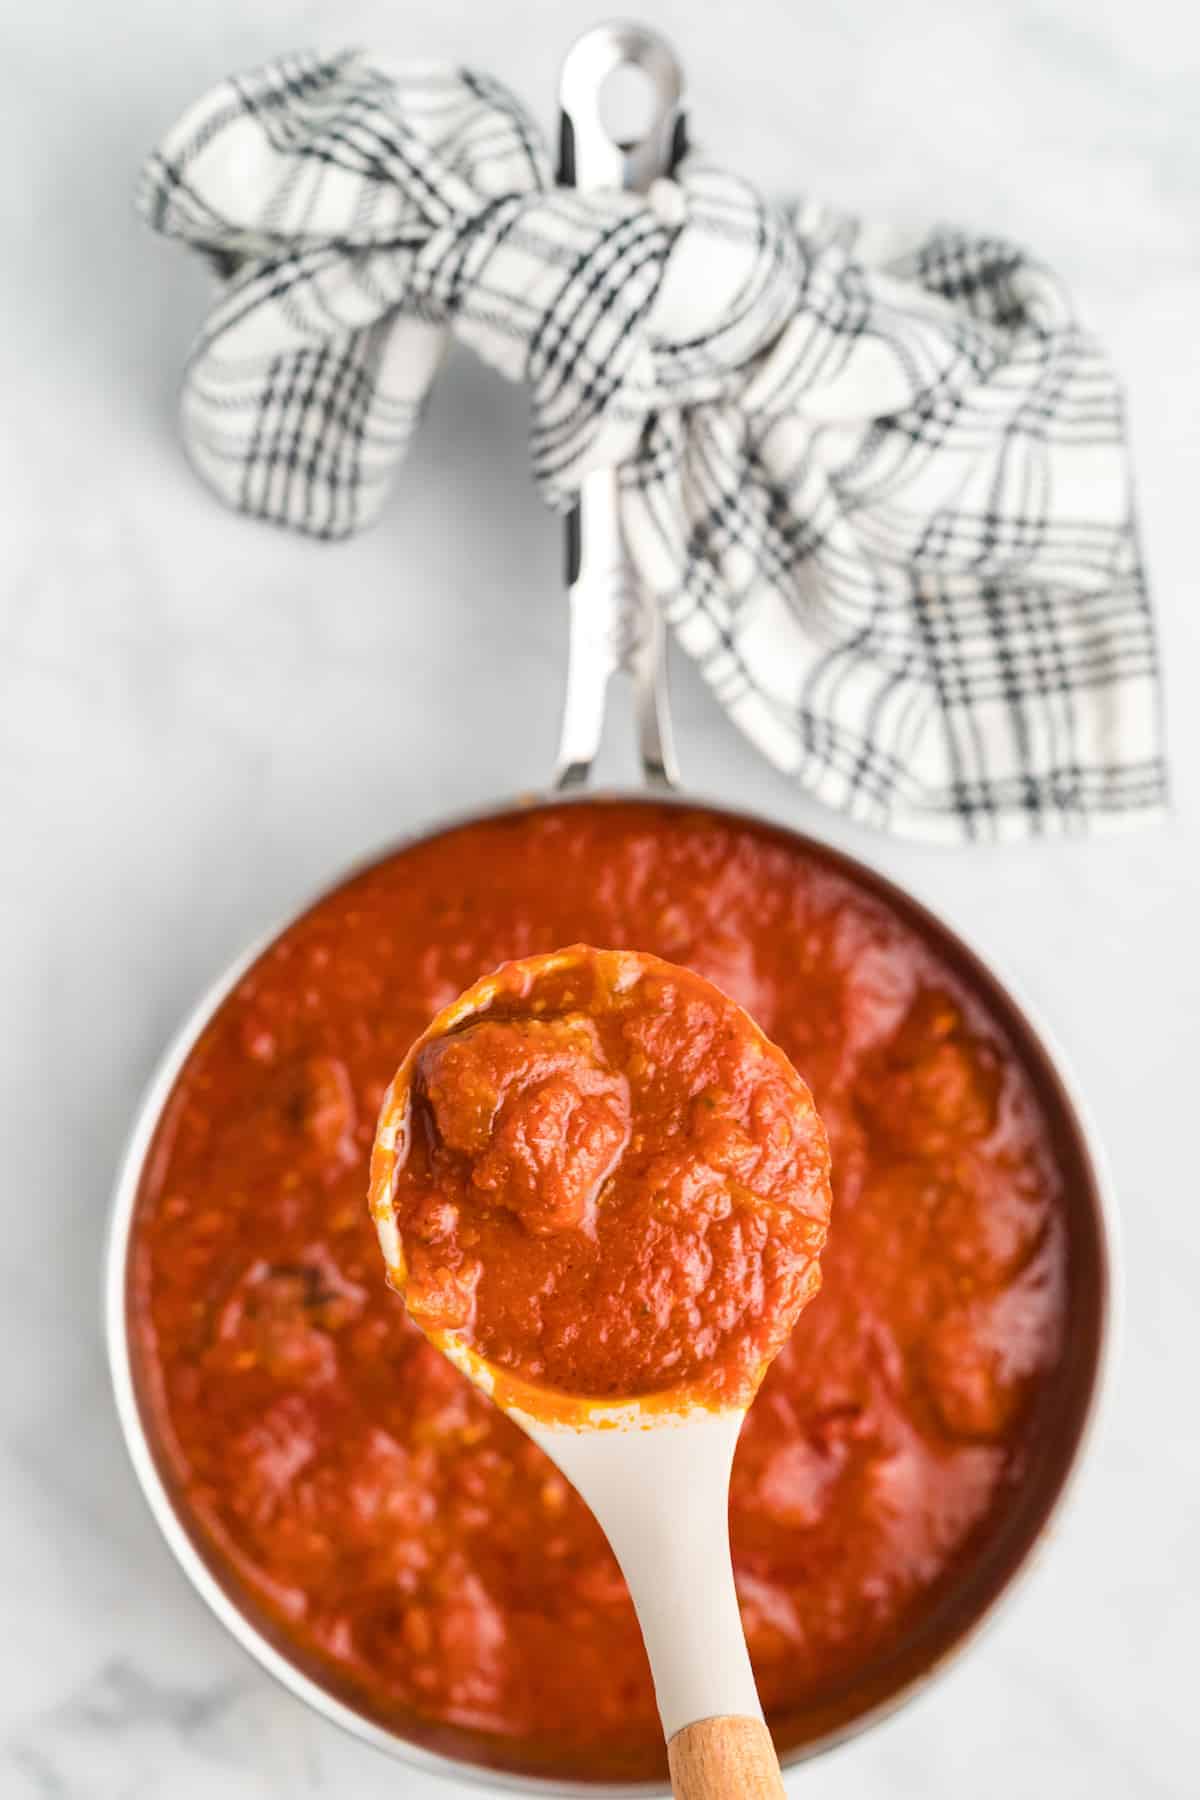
(596, 1172)
(384, 1522)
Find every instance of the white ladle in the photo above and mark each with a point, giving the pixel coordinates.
(655, 1474)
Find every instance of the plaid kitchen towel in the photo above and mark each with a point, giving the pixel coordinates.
(884, 499)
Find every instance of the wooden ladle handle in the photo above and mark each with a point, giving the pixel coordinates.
(724, 1759)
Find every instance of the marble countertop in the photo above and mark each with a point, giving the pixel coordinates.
(201, 719)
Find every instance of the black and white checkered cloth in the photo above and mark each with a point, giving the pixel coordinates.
(884, 499)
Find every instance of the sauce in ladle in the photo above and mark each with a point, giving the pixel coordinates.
(594, 1175)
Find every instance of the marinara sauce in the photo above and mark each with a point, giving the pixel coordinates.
(594, 1172)
(383, 1521)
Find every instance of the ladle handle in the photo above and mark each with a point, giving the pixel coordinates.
(661, 1497)
(716, 1759)
(614, 624)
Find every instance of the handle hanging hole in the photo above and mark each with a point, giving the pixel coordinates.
(629, 104)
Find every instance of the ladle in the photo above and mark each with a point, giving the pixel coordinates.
(654, 1470)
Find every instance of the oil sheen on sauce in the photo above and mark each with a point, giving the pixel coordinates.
(379, 1518)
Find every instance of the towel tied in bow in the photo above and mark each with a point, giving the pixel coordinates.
(885, 502)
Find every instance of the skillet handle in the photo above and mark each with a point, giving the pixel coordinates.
(614, 625)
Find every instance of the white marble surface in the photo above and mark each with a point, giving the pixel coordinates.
(201, 719)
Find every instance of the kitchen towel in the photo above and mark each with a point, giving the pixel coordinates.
(882, 495)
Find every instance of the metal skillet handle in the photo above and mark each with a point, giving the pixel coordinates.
(614, 624)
